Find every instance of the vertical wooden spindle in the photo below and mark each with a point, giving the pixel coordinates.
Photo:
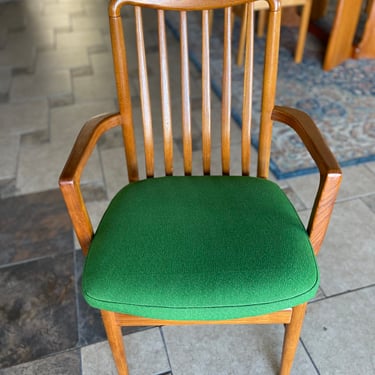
(145, 95)
(124, 96)
(269, 91)
(248, 89)
(165, 96)
(226, 93)
(206, 93)
(185, 96)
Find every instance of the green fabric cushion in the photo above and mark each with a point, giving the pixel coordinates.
(201, 248)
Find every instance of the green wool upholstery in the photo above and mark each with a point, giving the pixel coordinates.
(201, 248)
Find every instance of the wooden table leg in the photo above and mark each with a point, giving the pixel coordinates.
(318, 9)
(340, 43)
(366, 47)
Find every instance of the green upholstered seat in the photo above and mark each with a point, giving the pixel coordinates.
(201, 248)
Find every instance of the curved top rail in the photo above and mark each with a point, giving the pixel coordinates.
(114, 6)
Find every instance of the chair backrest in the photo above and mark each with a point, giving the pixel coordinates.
(175, 115)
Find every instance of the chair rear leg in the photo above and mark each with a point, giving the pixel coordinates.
(115, 340)
(291, 338)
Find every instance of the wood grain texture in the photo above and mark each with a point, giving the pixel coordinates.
(282, 317)
(291, 338)
(145, 94)
(70, 177)
(165, 96)
(248, 91)
(340, 43)
(206, 93)
(226, 93)
(115, 340)
(115, 6)
(330, 173)
(268, 94)
(124, 95)
(185, 96)
(366, 47)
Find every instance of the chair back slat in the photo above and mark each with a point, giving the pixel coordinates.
(206, 94)
(144, 94)
(268, 95)
(226, 92)
(165, 96)
(185, 96)
(247, 91)
(124, 96)
(201, 125)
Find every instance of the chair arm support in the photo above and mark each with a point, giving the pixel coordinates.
(70, 177)
(330, 172)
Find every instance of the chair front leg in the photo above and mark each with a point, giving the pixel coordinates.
(291, 338)
(116, 342)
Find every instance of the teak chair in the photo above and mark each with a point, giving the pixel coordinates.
(202, 249)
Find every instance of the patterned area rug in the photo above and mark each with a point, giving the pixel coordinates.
(341, 101)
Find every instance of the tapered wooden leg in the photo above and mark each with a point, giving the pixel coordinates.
(303, 28)
(291, 338)
(319, 9)
(115, 340)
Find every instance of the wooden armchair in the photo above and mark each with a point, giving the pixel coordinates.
(198, 248)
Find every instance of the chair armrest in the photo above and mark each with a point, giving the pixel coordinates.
(70, 177)
(330, 172)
